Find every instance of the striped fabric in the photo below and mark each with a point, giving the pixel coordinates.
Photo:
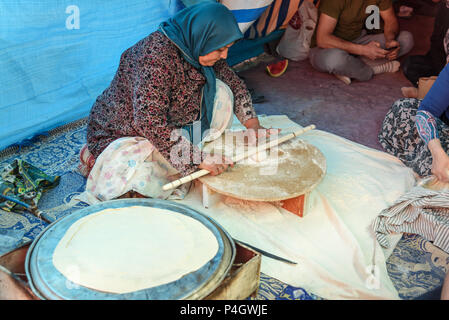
(246, 12)
(420, 211)
(276, 16)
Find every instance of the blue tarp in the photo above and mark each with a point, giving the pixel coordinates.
(57, 56)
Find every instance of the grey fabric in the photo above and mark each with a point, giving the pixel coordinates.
(419, 211)
(340, 62)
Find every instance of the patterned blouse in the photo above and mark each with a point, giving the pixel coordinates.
(155, 91)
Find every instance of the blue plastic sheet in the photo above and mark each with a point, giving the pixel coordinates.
(57, 56)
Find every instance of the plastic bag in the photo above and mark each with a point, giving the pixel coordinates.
(295, 43)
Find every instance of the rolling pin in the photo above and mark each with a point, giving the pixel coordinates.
(239, 157)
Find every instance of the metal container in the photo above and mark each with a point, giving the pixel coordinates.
(48, 283)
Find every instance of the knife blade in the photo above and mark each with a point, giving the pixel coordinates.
(265, 253)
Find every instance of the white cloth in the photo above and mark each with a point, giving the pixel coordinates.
(128, 164)
(333, 244)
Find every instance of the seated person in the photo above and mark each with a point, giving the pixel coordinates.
(433, 62)
(340, 40)
(417, 132)
(165, 82)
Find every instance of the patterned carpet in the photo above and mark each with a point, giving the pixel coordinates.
(416, 267)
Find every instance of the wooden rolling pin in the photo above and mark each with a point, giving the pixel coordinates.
(239, 157)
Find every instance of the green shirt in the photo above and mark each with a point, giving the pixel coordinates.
(350, 15)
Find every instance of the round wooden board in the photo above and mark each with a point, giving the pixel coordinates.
(289, 170)
(48, 283)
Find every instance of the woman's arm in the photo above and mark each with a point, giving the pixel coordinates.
(243, 106)
(437, 99)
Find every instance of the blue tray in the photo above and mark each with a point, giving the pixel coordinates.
(48, 283)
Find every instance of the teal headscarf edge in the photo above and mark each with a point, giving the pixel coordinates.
(197, 31)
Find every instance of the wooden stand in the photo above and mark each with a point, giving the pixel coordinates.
(243, 279)
(296, 205)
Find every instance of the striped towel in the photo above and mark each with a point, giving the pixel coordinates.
(246, 11)
(275, 17)
(420, 211)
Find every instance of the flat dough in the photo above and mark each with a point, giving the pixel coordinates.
(129, 249)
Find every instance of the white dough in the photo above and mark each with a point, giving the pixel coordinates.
(128, 249)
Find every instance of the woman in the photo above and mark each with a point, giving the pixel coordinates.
(433, 62)
(165, 82)
(417, 132)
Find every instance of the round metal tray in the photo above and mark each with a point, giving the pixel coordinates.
(49, 284)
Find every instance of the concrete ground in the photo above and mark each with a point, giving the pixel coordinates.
(354, 111)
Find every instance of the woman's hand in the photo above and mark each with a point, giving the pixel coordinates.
(253, 124)
(215, 164)
(440, 161)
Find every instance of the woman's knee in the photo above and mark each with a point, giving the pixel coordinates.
(397, 123)
(402, 111)
(408, 105)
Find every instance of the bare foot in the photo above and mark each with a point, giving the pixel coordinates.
(409, 92)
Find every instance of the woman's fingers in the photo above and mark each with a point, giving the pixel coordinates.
(216, 164)
(218, 169)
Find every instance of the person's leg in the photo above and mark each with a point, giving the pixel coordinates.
(404, 38)
(381, 65)
(87, 161)
(340, 62)
(400, 137)
(406, 41)
(410, 92)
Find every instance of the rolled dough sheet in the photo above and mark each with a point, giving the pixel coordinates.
(129, 249)
(285, 171)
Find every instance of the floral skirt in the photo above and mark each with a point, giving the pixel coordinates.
(400, 137)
